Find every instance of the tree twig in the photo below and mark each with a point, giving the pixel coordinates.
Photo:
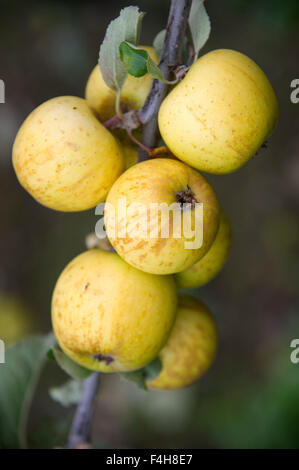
(81, 426)
(171, 56)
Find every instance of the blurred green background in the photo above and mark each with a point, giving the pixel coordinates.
(250, 397)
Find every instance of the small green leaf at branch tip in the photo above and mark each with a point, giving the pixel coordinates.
(200, 25)
(147, 373)
(126, 27)
(138, 62)
(74, 370)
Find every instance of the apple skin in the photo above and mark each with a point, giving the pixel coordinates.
(212, 262)
(158, 181)
(64, 157)
(220, 113)
(130, 152)
(190, 348)
(133, 95)
(101, 305)
(129, 148)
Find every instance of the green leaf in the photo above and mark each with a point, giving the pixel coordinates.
(134, 59)
(155, 72)
(74, 370)
(200, 25)
(138, 62)
(18, 378)
(159, 41)
(126, 27)
(50, 355)
(49, 433)
(137, 376)
(67, 394)
(153, 369)
(141, 376)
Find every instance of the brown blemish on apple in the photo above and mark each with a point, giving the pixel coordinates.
(73, 146)
(140, 245)
(142, 257)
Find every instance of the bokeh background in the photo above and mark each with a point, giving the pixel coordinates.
(250, 397)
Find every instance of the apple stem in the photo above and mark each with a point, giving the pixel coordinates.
(143, 147)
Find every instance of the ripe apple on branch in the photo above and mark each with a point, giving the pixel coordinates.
(120, 311)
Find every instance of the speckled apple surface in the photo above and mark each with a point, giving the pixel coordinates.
(191, 347)
(220, 113)
(108, 316)
(64, 157)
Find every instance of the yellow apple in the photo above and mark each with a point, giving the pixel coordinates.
(64, 157)
(220, 113)
(130, 152)
(212, 262)
(133, 95)
(15, 320)
(110, 317)
(190, 348)
(137, 228)
(128, 147)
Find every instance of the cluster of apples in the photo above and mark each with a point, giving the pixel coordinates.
(118, 311)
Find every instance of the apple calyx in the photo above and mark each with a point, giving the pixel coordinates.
(186, 196)
(103, 358)
(263, 146)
